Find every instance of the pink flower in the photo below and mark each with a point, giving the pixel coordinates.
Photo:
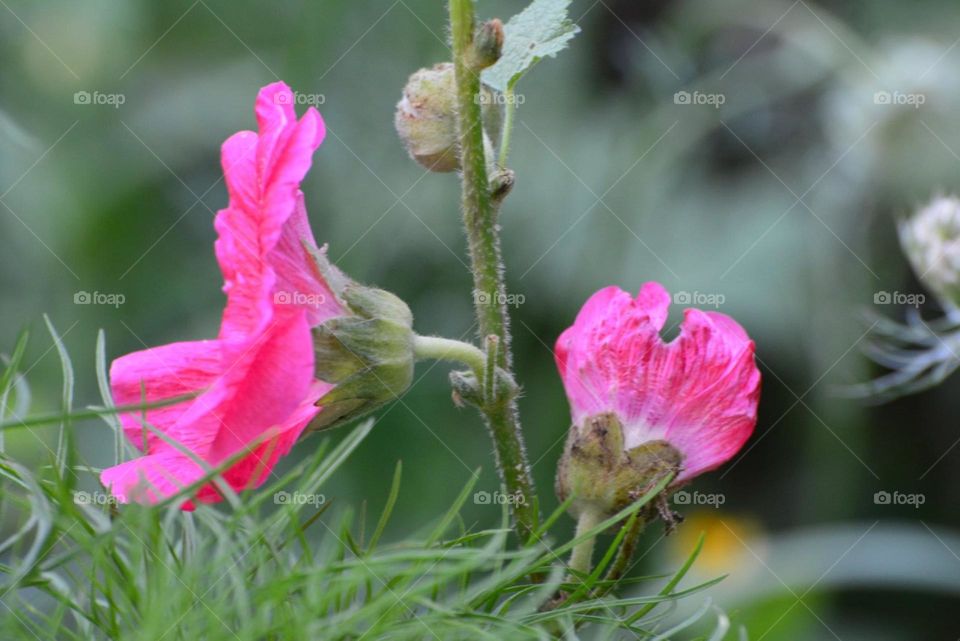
(255, 381)
(698, 393)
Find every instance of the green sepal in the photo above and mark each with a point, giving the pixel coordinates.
(347, 345)
(467, 389)
(335, 279)
(600, 475)
(370, 302)
(367, 353)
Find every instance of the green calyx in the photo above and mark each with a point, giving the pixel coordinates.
(604, 477)
(367, 353)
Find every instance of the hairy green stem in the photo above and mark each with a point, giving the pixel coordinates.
(479, 214)
(447, 349)
(479, 209)
(621, 563)
(582, 556)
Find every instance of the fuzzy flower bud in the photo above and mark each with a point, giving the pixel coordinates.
(643, 408)
(931, 241)
(426, 119)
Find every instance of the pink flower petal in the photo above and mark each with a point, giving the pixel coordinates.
(714, 391)
(149, 479)
(258, 376)
(698, 392)
(158, 374)
(263, 174)
(264, 385)
(298, 282)
(251, 471)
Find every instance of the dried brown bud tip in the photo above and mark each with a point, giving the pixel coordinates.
(487, 45)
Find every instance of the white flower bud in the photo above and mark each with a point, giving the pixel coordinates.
(931, 241)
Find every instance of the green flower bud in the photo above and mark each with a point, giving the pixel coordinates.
(426, 118)
(367, 353)
(602, 477)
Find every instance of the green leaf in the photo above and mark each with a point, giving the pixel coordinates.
(103, 383)
(67, 399)
(542, 29)
(672, 583)
(388, 508)
(9, 377)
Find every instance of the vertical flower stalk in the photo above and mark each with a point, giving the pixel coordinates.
(479, 215)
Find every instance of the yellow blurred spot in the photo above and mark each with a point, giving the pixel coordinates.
(730, 541)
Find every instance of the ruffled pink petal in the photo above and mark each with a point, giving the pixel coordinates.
(588, 354)
(152, 478)
(157, 374)
(251, 471)
(263, 174)
(713, 392)
(284, 141)
(272, 386)
(268, 382)
(654, 302)
(264, 387)
(699, 392)
(262, 383)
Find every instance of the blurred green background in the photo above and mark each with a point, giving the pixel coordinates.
(779, 203)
